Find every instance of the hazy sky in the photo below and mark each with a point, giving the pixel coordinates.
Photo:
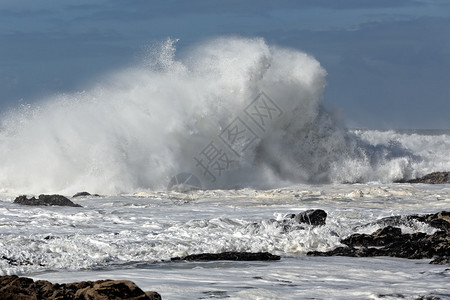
(388, 61)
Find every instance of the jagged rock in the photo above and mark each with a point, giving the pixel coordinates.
(46, 200)
(391, 242)
(413, 246)
(432, 178)
(234, 256)
(84, 194)
(312, 217)
(14, 287)
(440, 220)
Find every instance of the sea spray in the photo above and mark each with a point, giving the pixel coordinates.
(144, 125)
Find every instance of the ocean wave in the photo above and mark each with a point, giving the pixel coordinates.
(233, 112)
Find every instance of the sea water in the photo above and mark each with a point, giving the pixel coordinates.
(208, 151)
(134, 236)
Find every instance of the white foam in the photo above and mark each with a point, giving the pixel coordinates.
(140, 127)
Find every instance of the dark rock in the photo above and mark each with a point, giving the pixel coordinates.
(46, 200)
(432, 178)
(234, 256)
(443, 260)
(16, 262)
(313, 217)
(391, 242)
(440, 220)
(13, 287)
(427, 298)
(84, 194)
(380, 237)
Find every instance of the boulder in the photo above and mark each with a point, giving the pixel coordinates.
(14, 287)
(314, 217)
(234, 256)
(46, 200)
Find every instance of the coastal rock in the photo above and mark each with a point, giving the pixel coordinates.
(443, 260)
(16, 262)
(14, 287)
(390, 241)
(234, 256)
(45, 200)
(440, 220)
(432, 178)
(84, 194)
(413, 246)
(315, 217)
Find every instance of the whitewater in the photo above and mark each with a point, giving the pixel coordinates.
(259, 105)
(207, 151)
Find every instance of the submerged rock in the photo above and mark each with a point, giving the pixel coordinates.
(432, 178)
(234, 256)
(46, 200)
(390, 241)
(14, 287)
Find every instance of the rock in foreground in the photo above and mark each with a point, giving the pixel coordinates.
(390, 241)
(46, 200)
(234, 256)
(13, 287)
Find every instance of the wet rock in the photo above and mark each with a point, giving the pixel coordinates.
(427, 298)
(390, 241)
(413, 246)
(84, 194)
(234, 256)
(443, 260)
(16, 262)
(432, 178)
(14, 287)
(380, 237)
(314, 217)
(440, 220)
(45, 200)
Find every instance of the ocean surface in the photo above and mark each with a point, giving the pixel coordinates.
(206, 152)
(134, 236)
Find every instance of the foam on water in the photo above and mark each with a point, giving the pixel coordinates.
(133, 237)
(143, 125)
(112, 232)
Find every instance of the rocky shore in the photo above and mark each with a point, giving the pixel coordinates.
(432, 178)
(23, 288)
(390, 241)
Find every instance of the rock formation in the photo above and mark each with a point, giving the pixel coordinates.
(46, 200)
(389, 241)
(14, 287)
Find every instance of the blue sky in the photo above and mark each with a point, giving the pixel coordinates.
(388, 62)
